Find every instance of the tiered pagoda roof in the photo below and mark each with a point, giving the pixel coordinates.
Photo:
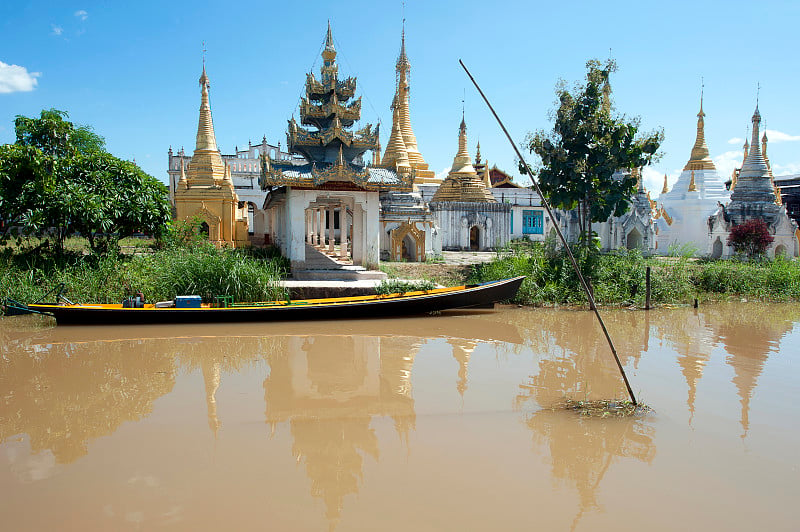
(329, 150)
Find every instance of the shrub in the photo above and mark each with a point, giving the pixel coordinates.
(750, 238)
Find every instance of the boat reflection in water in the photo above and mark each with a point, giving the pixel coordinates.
(198, 427)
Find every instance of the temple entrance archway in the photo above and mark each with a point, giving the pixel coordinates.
(780, 251)
(407, 243)
(204, 229)
(716, 249)
(331, 225)
(634, 239)
(474, 238)
(409, 249)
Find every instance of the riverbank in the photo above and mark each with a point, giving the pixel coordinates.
(618, 279)
(174, 268)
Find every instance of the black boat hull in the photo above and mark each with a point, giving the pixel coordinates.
(478, 296)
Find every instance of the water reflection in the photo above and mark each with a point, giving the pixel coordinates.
(326, 386)
(329, 389)
(750, 333)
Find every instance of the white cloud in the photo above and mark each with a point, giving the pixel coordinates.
(654, 180)
(57, 30)
(779, 136)
(15, 78)
(82, 14)
(443, 173)
(727, 162)
(785, 169)
(736, 140)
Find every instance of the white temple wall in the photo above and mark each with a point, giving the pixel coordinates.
(689, 211)
(457, 218)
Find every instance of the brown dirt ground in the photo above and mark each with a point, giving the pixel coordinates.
(439, 273)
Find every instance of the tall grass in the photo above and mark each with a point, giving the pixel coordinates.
(619, 278)
(199, 269)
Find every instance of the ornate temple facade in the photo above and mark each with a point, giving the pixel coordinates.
(636, 229)
(470, 216)
(205, 191)
(753, 197)
(325, 199)
(694, 197)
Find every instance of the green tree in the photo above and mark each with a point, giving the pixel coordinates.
(587, 145)
(58, 179)
(56, 136)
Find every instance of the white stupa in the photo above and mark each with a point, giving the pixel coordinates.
(682, 218)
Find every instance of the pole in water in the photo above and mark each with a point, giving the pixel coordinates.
(546, 205)
(647, 289)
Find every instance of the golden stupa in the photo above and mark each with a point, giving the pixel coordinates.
(205, 190)
(463, 182)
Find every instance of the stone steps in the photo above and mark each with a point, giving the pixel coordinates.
(322, 267)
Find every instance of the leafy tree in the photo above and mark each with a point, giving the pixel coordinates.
(751, 238)
(58, 179)
(587, 144)
(55, 136)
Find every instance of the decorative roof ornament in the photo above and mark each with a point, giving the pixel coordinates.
(665, 189)
(692, 185)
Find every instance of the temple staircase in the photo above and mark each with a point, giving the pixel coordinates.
(321, 266)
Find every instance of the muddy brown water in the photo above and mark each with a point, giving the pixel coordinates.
(431, 423)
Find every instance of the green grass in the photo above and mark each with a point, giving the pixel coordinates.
(619, 278)
(397, 286)
(160, 274)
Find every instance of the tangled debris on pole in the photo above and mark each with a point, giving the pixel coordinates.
(603, 408)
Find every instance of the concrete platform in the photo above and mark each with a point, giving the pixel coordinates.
(315, 289)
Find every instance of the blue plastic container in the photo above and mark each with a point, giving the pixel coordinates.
(188, 302)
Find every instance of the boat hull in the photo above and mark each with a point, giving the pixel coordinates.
(476, 296)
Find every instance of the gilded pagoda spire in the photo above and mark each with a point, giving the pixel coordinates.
(206, 166)
(665, 189)
(700, 159)
(396, 147)
(404, 114)
(403, 143)
(205, 127)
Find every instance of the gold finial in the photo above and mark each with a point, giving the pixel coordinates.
(329, 53)
(665, 189)
(692, 186)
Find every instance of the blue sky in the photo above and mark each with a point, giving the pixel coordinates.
(130, 70)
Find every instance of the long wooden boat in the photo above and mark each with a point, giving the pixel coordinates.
(408, 303)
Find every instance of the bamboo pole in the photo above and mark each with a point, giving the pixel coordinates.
(546, 205)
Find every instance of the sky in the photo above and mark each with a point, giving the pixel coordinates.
(130, 70)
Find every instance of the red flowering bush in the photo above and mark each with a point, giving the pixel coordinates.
(751, 238)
